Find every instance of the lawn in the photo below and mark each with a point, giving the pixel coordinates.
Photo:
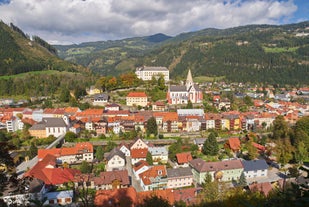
(279, 49)
(20, 75)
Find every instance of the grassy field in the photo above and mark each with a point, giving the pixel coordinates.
(202, 79)
(44, 72)
(279, 49)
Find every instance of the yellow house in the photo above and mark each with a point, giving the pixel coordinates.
(225, 124)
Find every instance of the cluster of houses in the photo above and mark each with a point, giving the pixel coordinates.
(52, 170)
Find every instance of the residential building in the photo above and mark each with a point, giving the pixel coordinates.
(183, 158)
(138, 155)
(154, 178)
(139, 144)
(181, 94)
(255, 168)
(100, 99)
(179, 177)
(115, 160)
(147, 72)
(140, 167)
(82, 151)
(14, 124)
(61, 198)
(159, 154)
(137, 99)
(125, 149)
(222, 171)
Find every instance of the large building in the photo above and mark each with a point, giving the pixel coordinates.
(137, 99)
(181, 94)
(146, 73)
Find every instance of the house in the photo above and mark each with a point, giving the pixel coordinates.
(115, 160)
(146, 73)
(255, 168)
(233, 143)
(139, 144)
(116, 197)
(140, 167)
(158, 106)
(265, 188)
(179, 177)
(100, 99)
(137, 99)
(183, 158)
(47, 171)
(92, 90)
(82, 151)
(138, 155)
(222, 171)
(51, 126)
(182, 94)
(125, 149)
(61, 198)
(13, 124)
(154, 178)
(112, 107)
(159, 154)
(111, 180)
(199, 142)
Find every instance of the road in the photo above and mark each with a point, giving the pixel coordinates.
(134, 182)
(26, 165)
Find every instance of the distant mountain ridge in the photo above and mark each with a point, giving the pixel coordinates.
(252, 53)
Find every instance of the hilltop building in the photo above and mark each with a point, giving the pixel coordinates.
(181, 94)
(146, 73)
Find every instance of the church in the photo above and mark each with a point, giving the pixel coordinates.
(181, 94)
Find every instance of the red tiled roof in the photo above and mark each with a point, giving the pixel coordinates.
(264, 188)
(125, 196)
(137, 94)
(184, 157)
(139, 153)
(153, 172)
(234, 143)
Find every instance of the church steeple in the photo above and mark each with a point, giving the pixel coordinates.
(189, 81)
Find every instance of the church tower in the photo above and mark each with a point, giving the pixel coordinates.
(189, 81)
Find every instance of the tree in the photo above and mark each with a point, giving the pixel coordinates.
(85, 167)
(155, 201)
(207, 180)
(252, 151)
(152, 127)
(33, 151)
(189, 105)
(70, 136)
(210, 146)
(301, 132)
(99, 153)
(301, 152)
(64, 95)
(280, 128)
(242, 180)
(149, 158)
(110, 145)
(284, 151)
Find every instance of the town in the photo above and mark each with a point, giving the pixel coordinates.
(184, 142)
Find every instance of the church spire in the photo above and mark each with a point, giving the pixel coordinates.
(189, 81)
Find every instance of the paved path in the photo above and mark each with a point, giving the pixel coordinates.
(134, 182)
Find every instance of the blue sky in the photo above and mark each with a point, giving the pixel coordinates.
(76, 21)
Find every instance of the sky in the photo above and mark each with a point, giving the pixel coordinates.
(77, 21)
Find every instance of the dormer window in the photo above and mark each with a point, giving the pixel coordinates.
(159, 172)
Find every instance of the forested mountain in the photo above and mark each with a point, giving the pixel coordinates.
(30, 66)
(253, 53)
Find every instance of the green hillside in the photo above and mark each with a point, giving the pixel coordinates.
(32, 68)
(253, 53)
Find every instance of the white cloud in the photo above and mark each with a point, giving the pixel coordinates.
(66, 21)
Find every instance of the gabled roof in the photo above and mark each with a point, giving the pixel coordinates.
(46, 171)
(139, 153)
(252, 165)
(149, 175)
(139, 165)
(264, 188)
(108, 177)
(183, 157)
(104, 198)
(113, 153)
(234, 143)
(178, 88)
(202, 166)
(54, 122)
(179, 172)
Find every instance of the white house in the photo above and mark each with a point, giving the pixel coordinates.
(125, 149)
(140, 167)
(100, 99)
(179, 177)
(159, 154)
(14, 124)
(139, 144)
(255, 168)
(115, 160)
